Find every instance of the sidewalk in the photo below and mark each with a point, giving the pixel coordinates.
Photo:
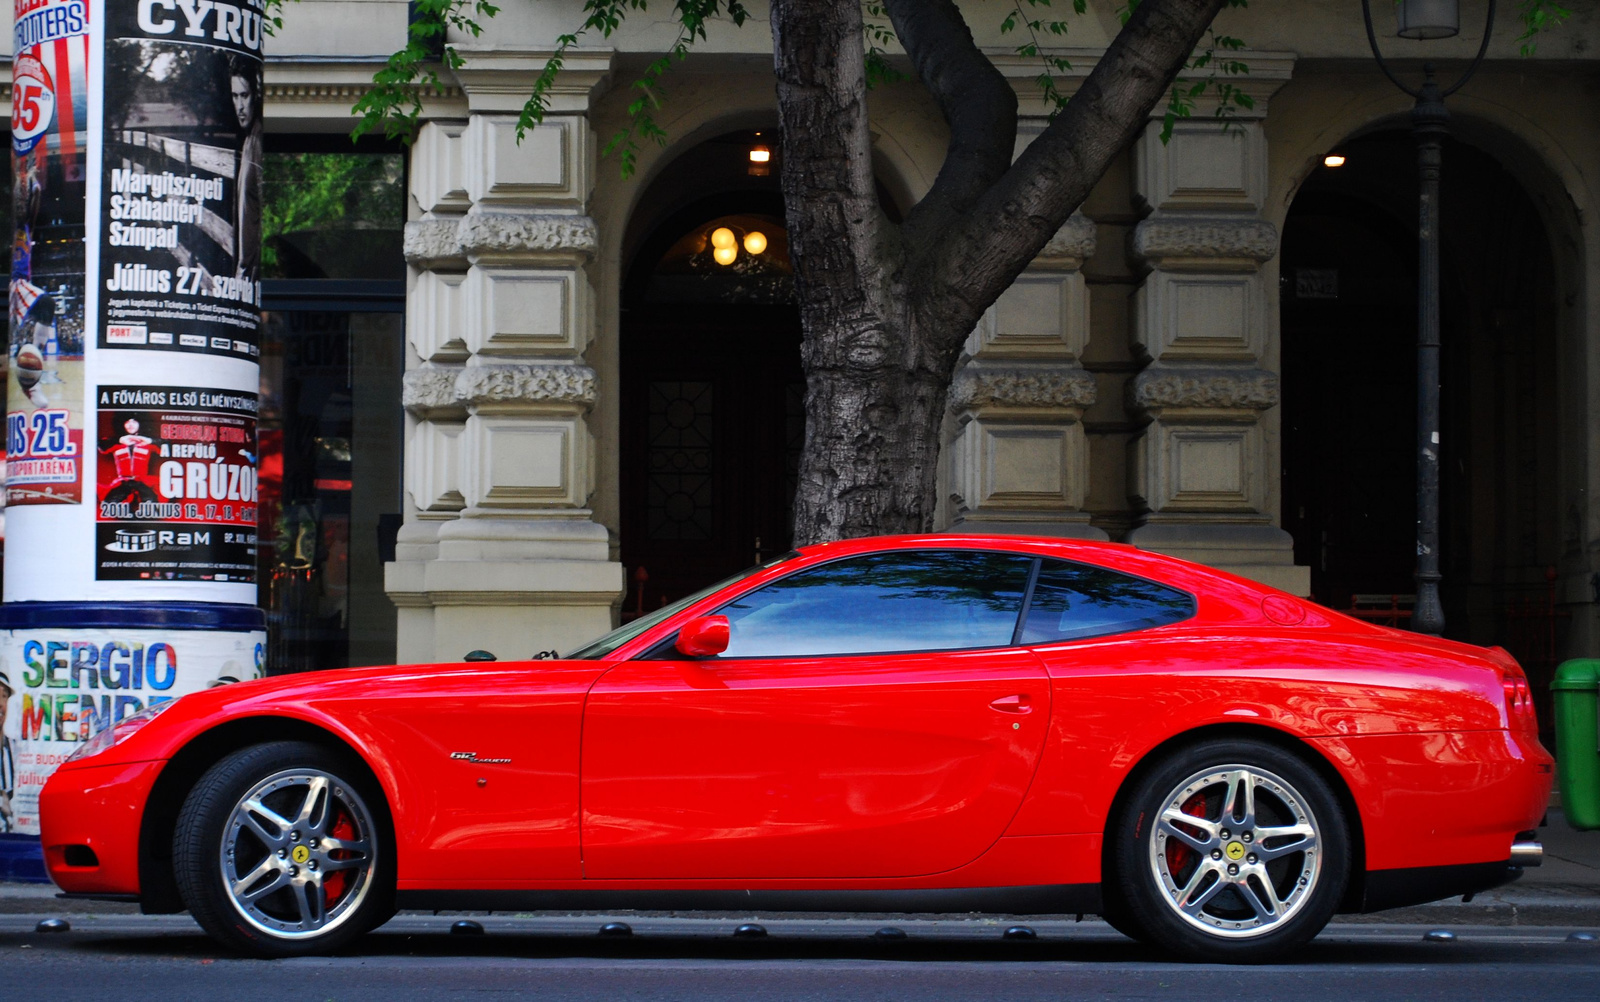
(1564, 891)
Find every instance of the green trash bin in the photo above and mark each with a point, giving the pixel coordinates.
(1576, 695)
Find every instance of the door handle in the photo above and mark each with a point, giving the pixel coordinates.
(1013, 704)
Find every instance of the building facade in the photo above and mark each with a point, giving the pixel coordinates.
(558, 408)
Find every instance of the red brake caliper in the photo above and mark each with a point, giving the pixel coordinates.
(333, 883)
(1179, 854)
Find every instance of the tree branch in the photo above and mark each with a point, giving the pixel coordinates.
(1011, 223)
(976, 101)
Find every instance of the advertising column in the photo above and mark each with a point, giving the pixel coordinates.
(130, 565)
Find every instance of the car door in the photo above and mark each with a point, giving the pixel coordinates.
(870, 718)
(1084, 622)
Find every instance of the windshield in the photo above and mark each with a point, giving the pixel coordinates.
(627, 631)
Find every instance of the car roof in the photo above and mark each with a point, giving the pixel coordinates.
(1117, 556)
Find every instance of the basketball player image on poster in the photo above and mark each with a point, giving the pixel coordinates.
(49, 115)
(176, 484)
(180, 235)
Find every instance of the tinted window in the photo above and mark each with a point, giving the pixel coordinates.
(920, 600)
(1076, 600)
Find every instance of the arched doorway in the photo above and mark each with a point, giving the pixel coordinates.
(712, 407)
(1349, 392)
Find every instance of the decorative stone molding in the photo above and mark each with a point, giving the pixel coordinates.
(1269, 71)
(495, 80)
(1033, 389)
(1218, 389)
(321, 92)
(482, 385)
(445, 394)
(1075, 241)
(430, 393)
(481, 234)
(448, 392)
(1207, 237)
(434, 243)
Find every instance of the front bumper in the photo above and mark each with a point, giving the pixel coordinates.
(89, 822)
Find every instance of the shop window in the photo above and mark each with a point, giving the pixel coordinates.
(332, 357)
(333, 214)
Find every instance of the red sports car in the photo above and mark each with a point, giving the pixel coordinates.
(921, 723)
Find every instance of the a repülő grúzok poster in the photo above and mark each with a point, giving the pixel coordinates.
(177, 484)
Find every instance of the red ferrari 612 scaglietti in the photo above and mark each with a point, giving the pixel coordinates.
(920, 723)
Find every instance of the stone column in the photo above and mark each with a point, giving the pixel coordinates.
(499, 550)
(1202, 472)
(1018, 461)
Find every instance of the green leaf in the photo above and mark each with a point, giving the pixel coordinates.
(1053, 64)
(1538, 16)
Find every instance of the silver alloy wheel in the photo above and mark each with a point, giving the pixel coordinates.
(297, 854)
(1236, 851)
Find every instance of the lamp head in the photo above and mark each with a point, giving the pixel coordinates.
(1422, 19)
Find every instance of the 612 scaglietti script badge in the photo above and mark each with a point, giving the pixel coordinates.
(472, 756)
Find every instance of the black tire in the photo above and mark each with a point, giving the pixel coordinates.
(1250, 896)
(1115, 913)
(331, 876)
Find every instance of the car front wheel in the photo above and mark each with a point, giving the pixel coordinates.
(280, 850)
(1231, 851)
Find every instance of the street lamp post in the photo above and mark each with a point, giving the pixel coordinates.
(1422, 19)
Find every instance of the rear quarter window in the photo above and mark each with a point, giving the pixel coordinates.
(1072, 601)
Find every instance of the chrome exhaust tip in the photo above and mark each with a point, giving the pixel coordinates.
(1525, 854)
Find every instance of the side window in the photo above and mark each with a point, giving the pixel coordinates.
(913, 600)
(1071, 601)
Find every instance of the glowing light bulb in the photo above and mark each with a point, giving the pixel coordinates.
(723, 237)
(725, 255)
(755, 242)
(1333, 160)
(760, 154)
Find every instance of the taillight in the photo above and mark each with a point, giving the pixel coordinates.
(1519, 701)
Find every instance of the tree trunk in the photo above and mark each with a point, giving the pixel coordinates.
(871, 424)
(885, 309)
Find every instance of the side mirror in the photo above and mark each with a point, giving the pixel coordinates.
(703, 636)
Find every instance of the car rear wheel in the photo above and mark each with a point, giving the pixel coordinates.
(1230, 851)
(282, 849)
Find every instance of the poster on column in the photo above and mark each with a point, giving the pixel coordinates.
(180, 234)
(61, 687)
(49, 126)
(177, 484)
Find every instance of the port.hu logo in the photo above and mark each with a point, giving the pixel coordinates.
(472, 756)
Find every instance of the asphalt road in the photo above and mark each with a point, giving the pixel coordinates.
(106, 957)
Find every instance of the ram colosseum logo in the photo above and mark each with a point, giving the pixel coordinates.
(133, 541)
